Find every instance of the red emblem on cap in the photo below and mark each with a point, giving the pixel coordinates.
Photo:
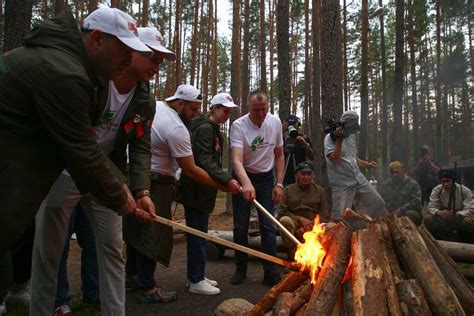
(132, 28)
(158, 38)
(229, 98)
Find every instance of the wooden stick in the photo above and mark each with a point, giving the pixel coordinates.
(276, 222)
(224, 242)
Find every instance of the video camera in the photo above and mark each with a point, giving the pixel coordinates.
(292, 120)
(331, 129)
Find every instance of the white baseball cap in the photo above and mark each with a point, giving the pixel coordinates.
(117, 23)
(153, 38)
(224, 99)
(186, 92)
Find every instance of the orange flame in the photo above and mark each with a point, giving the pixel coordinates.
(311, 253)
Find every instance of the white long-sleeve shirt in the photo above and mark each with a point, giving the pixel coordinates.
(439, 200)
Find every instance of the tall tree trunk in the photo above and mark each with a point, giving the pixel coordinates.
(245, 80)
(214, 51)
(17, 22)
(170, 87)
(1, 26)
(177, 43)
(283, 49)
(59, 5)
(331, 60)
(44, 9)
(93, 4)
(439, 114)
(414, 92)
(263, 48)
(345, 73)
(364, 81)
(271, 9)
(145, 6)
(115, 3)
(384, 126)
(315, 114)
(397, 133)
(200, 44)
(307, 68)
(234, 79)
(194, 41)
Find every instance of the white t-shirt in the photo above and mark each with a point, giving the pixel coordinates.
(258, 143)
(169, 140)
(109, 122)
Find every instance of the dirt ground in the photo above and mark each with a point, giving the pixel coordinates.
(174, 277)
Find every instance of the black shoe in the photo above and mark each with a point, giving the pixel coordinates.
(271, 279)
(238, 277)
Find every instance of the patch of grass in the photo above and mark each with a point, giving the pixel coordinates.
(78, 307)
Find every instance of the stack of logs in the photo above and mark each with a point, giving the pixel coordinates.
(383, 267)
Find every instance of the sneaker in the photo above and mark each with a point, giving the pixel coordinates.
(18, 297)
(157, 295)
(211, 282)
(3, 308)
(271, 279)
(203, 287)
(238, 277)
(63, 310)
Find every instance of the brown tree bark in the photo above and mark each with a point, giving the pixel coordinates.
(214, 52)
(93, 4)
(290, 283)
(301, 297)
(194, 40)
(347, 308)
(115, 3)
(177, 43)
(17, 23)
(245, 77)
(263, 48)
(1, 25)
(412, 298)
(418, 260)
(414, 92)
(283, 50)
(327, 285)
(397, 131)
(384, 123)
(345, 73)
(364, 81)
(144, 19)
(439, 150)
(282, 306)
(451, 271)
(307, 69)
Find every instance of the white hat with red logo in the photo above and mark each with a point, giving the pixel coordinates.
(117, 23)
(223, 99)
(153, 38)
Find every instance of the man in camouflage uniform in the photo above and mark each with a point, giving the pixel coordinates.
(402, 194)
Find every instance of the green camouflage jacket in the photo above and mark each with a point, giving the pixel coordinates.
(406, 195)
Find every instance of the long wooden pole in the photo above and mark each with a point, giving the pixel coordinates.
(276, 222)
(226, 243)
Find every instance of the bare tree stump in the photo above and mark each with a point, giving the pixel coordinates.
(282, 305)
(368, 286)
(451, 272)
(290, 283)
(416, 257)
(412, 299)
(329, 280)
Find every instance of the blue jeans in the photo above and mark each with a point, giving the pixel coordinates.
(196, 246)
(142, 267)
(263, 184)
(79, 223)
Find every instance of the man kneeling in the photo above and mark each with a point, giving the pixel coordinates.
(301, 202)
(450, 214)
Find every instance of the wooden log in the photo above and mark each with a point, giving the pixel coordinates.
(416, 257)
(302, 310)
(288, 284)
(354, 220)
(347, 299)
(412, 298)
(282, 305)
(460, 252)
(301, 297)
(392, 257)
(368, 286)
(327, 285)
(451, 272)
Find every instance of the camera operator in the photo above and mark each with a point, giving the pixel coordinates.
(426, 173)
(297, 147)
(346, 180)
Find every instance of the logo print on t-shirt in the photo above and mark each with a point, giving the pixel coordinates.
(256, 141)
(107, 116)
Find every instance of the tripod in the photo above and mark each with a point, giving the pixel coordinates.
(290, 157)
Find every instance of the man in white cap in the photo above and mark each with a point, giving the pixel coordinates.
(125, 121)
(345, 178)
(48, 106)
(199, 200)
(171, 148)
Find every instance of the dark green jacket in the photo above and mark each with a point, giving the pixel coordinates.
(207, 143)
(405, 195)
(134, 132)
(48, 104)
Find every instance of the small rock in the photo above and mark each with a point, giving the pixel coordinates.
(233, 307)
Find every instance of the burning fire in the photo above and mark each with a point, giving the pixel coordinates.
(311, 253)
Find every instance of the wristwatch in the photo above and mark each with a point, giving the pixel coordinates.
(142, 193)
(279, 185)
